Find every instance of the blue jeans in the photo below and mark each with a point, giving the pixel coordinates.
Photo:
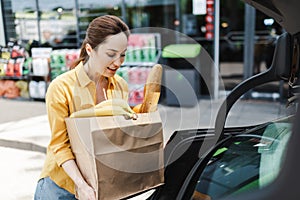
(46, 189)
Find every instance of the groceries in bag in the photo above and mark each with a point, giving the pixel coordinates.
(152, 90)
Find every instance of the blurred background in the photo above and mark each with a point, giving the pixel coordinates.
(56, 30)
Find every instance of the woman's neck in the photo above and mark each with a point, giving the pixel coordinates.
(101, 83)
(95, 77)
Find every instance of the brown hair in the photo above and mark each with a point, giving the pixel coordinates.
(99, 29)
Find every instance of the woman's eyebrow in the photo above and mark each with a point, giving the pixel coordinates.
(114, 50)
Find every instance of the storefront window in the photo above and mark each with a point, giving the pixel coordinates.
(88, 10)
(154, 13)
(57, 23)
(63, 23)
(48, 23)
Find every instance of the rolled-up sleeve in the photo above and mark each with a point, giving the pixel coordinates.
(58, 109)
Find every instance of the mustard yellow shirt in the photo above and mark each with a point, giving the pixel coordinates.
(70, 92)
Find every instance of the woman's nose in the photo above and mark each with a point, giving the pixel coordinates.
(118, 61)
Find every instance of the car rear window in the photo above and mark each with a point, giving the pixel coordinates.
(246, 162)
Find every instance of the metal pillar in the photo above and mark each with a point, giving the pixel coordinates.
(38, 20)
(123, 11)
(2, 34)
(177, 17)
(216, 49)
(77, 24)
(249, 43)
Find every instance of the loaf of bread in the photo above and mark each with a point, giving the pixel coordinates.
(152, 90)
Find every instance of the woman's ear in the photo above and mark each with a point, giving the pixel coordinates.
(88, 49)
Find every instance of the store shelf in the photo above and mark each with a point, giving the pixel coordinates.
(14, 77)
(17, 98)
(143, 52)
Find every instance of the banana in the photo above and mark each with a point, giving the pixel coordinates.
(109, 107)
(108, 110)
(115, 102)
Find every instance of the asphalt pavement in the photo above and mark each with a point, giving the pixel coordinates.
(24, 134)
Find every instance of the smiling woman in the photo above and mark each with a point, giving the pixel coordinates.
(107, 57)
(91, 80)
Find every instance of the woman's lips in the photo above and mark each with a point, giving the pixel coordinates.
(112, 69)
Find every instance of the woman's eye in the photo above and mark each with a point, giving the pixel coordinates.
(123, 55)
(111, 55)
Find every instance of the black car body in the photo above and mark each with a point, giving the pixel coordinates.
(251, 162)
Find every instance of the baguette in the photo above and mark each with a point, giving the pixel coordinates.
(152, 90)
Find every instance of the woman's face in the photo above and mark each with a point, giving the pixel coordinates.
(107, 58)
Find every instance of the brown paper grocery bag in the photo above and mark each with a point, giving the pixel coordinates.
(118, 157)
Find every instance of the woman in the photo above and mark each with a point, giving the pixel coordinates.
(92, 80)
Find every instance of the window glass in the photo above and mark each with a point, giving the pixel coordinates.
(51, 23)
(88, 10)
(246, 162)
(56, 22)
(24, 18)
(141, 13)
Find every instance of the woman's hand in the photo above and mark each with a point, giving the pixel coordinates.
(84, 191)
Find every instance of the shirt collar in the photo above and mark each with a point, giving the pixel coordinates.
(83, 78)
(111, 82)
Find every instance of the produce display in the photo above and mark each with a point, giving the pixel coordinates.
(12, 60)
(9, 89)
(37, 66)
